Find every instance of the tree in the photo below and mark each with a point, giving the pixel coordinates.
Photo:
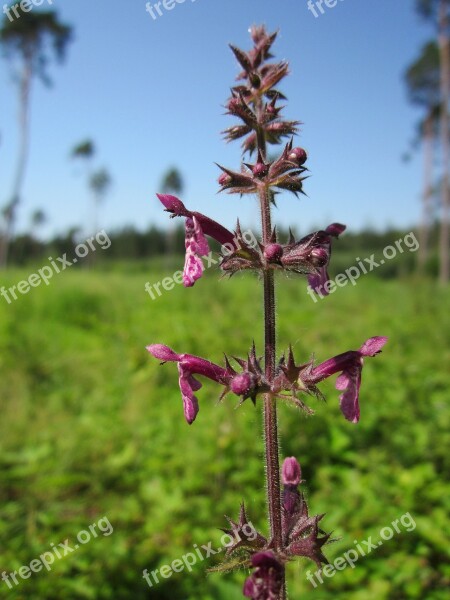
(99, 183)
(438, 12)
(84, 150)
(29, 42)
(38, 218)
(172, 183)
(422, 79)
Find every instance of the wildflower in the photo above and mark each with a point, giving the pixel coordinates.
(318, 280)
(247, 384)
(188, 366)
(196, 226)
(309, 255)
(350, 365)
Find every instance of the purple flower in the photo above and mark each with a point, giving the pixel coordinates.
(309, 255)
(197, 226)
(350, 365)
(188, 366)
(267, 578)
(318, 280)
(247, 384)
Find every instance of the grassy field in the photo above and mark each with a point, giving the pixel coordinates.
(92, 427)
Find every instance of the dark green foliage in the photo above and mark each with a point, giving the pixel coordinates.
(130, 244)
(91, 427)
(30, 36)
(422, 78)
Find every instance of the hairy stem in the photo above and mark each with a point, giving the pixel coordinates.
(270, 408)
(271, 441)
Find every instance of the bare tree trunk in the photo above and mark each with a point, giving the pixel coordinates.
(444, 52)
(424, 231)
(10, 211)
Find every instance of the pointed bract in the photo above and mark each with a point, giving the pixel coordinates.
(244, 534)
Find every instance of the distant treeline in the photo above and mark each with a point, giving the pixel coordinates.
(128, 244)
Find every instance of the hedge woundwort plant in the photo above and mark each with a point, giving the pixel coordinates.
(256, 102)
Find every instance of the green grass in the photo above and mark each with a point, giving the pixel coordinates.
(91, 426)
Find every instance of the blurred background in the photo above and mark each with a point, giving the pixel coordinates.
(104, 104)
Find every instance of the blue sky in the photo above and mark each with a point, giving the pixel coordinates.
(150, 93)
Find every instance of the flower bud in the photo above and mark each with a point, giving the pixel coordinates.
(243, 384)
(273, 252)
(224, 179)
(233, 104)
(292, 473)
(163, 352)
(298, 156)
(260, 169)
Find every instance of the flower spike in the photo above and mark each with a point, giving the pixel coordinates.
(257, 105)
(196, 227)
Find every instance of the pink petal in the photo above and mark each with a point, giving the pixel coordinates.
(335, 229)
(373, 346)
(193, 268)
(318, 280)
(349, 403)
(194, 383)
(350, 381)
(342, 381)
(190, 402)
(173, 204)
(190, 406)
(202, 248)
(162, 352)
